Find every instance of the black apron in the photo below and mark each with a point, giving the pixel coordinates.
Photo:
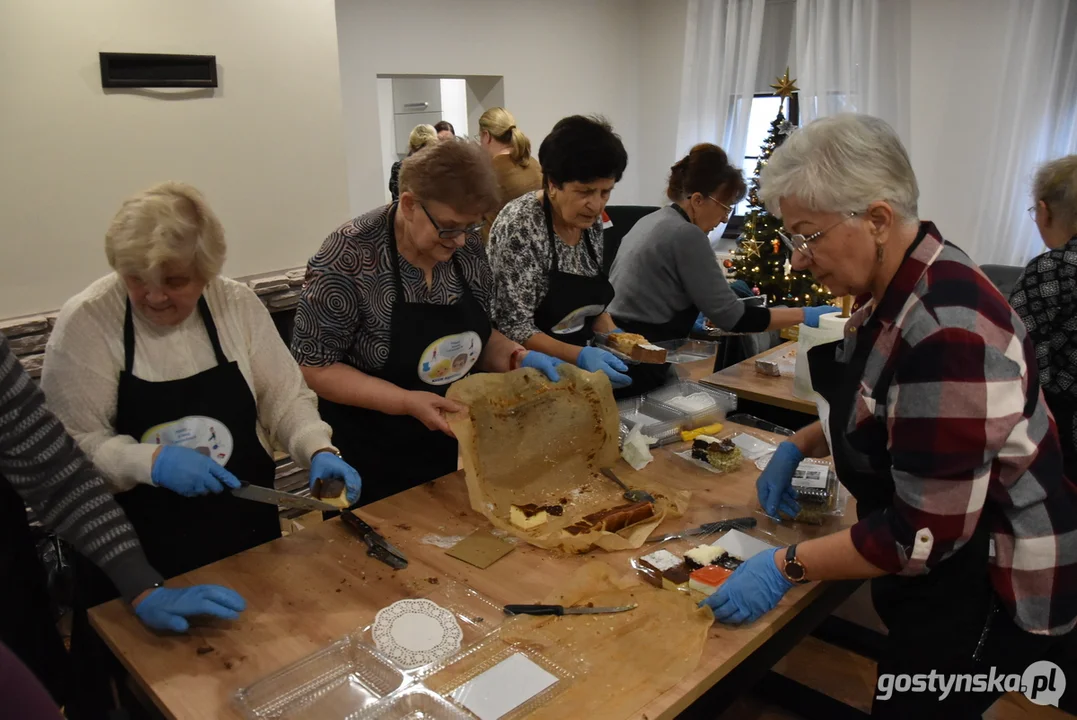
(178, 533)
(937, 620)
(430, 347)
(572, 302)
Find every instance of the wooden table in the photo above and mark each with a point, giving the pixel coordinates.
(746, 382)
(311, 588)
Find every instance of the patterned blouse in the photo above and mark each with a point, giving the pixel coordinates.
(345, 310)
(520, 258)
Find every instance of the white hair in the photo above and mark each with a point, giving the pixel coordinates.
(170, 222)
(842, 163)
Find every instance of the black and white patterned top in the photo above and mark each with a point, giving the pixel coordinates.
(520, 258)
(1045, 297)
(346, 306)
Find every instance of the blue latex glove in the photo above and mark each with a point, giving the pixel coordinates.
(775, 484)
(594, 359)
(751, 591)
(812, 314)
(327, 466)
(700, 324)
(189, 472)
(541, 361)
(168, 608)
(614, 331)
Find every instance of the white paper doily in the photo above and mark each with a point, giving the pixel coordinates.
(416, 632)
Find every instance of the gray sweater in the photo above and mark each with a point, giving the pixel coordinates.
(664, 265)
(65, 491)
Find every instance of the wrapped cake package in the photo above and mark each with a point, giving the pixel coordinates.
(532, 450)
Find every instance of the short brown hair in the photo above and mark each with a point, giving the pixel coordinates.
(1056, 186)
(457, 174)
(706, 170)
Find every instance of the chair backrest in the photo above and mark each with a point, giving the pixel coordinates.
(1003, 276)
(623, 218)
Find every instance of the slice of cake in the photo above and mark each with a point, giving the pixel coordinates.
(722, 454)
(707, 579)
(656, 563)
(614, 519)
(332, 491)
(703, 556)
(527, 516)
(675, 578)
(636, 347)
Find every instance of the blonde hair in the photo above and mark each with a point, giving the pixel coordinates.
(421, 136)
(501, 125)
(1056, 186)
(169, 222)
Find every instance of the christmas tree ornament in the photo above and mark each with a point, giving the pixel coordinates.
(750, 247)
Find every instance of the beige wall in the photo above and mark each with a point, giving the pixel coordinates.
(266, 147)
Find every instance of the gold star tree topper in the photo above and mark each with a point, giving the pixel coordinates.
(784, 87)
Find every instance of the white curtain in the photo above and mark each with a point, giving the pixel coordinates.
(721, 59)
(854, 56)
(1035, 121)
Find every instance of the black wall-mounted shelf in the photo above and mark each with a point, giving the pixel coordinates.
(151, 70)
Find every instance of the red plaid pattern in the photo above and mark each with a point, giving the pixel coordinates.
(950, 405)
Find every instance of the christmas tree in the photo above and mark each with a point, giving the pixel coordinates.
(761, 259)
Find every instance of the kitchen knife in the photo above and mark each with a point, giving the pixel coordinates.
(283, 499)
(739, 523)
(377, 547)
(562, 610)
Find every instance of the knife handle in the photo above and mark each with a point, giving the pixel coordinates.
(534, 609)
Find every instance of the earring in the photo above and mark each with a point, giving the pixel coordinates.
(878, 252)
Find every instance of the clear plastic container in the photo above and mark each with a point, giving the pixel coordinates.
(414, 703)
(698, 404)
(498, 679)
(655, 419)
(335, 682)
(688, 351)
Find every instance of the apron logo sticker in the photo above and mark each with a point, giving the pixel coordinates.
(575, 320)
(450, 358)
(206, 435)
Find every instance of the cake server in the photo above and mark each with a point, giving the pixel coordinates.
(562, 610)
(739, 523)
(377, 547)
(629, 495)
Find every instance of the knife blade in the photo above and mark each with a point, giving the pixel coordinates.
(282, 499)
(708, 528)
(562, 610)
(377, 546)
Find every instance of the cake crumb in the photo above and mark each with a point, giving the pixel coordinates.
(432, 580)
(403, 526)
(204, 650)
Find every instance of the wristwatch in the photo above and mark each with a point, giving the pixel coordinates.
(793, 569)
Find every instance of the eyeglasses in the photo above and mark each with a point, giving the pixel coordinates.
(800, 242)
(1032, 212)
(451, 233)
(728, 210)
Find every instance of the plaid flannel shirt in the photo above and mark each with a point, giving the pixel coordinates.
(950, 405)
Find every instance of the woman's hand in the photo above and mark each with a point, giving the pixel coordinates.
(750, 592)
(812, 314)
(547, 364)
(594, 359)
(326, 465)
(429, 408)
(189, 472)
(775, 484)
(168, 609)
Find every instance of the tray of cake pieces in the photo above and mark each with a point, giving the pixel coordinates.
(435, 652)
(713, 543)
(678, 411)
(636, 349)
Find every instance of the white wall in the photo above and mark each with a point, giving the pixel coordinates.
(266, 148)
(558, 57)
